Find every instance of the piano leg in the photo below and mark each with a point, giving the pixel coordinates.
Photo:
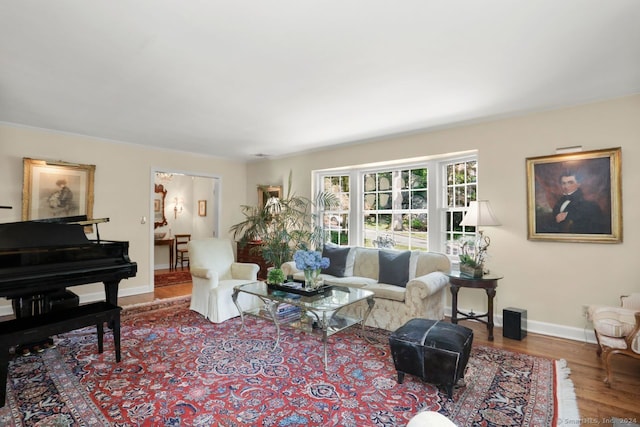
(111, 291)
(111, 296)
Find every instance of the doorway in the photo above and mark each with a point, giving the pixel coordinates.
(183, 203)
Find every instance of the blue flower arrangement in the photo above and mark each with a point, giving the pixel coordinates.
(310, 260)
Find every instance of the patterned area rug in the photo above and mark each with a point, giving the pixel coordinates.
(171, 278)
(178, 369)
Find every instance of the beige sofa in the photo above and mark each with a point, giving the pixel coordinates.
(422, 297)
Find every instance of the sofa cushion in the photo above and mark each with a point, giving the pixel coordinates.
(390, 292)
(393, 267)
(341, 260)
(350, 281)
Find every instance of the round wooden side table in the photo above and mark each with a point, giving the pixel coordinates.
(488, 282)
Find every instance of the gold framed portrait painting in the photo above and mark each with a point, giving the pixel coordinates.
(575, 197)
(56, 189)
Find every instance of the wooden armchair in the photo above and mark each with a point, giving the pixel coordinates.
(617, 329)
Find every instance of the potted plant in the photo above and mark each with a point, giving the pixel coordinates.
(473, 253)
(275, 276)
(284, 225)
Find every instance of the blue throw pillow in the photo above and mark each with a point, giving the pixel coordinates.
(393, 267)
(337, 259)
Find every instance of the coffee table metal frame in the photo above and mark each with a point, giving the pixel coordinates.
(323, 307)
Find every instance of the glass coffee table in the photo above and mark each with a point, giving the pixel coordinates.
(318, 313)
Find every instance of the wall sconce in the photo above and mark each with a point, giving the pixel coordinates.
(177, 207)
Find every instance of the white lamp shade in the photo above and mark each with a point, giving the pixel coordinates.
(479, 214)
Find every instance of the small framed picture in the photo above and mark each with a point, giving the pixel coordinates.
(202, 207)
(575, 197)
(265, 192)
(56, 189)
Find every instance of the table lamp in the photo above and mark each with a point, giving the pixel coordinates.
(480, 214)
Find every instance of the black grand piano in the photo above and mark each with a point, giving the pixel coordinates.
(43, 256)
(39, 260)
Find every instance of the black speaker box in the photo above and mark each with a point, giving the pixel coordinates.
(514, 323)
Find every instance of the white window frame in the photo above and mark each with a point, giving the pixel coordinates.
(436, 187)
(443, 207)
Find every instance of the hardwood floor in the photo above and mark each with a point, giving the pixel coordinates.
(597, 403)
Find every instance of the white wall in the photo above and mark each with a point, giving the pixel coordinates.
(549, 279)
(123, 189)
(205, 189)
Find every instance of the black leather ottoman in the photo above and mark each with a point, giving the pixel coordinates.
(435, 351)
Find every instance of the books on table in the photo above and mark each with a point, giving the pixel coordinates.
(285, 312)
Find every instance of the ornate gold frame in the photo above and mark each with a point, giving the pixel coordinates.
(39, 185)
(599, 175)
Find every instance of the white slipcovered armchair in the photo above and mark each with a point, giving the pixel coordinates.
(617, 329)
(215, 273)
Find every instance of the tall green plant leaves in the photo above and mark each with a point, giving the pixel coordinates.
(285, 225)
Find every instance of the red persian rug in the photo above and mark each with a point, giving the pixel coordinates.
(178, 369)
(171, 278)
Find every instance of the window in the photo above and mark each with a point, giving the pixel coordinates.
(396, 206)
(460, 188)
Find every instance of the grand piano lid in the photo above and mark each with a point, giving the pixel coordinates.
(45, 233)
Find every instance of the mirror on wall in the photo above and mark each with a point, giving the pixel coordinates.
(158, 206)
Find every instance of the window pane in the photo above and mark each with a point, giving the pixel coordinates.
(405, 199)
(419, 178)
(384, 222)
(406, 180)
(384, 201)
(471, 193)
(460, 175)
(345, 184)
(419, 200)
(449, 174)
(370, 182)
(472, 171)
(461, 199)
(384, 181)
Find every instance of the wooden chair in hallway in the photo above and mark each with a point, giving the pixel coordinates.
(182, 253)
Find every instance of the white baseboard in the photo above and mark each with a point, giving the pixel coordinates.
(551, 329)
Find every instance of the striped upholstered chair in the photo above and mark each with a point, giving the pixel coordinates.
(617, 329)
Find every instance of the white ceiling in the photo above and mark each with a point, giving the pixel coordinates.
(240, 78)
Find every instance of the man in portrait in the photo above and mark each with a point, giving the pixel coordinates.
(563, 205)
(573, 213)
